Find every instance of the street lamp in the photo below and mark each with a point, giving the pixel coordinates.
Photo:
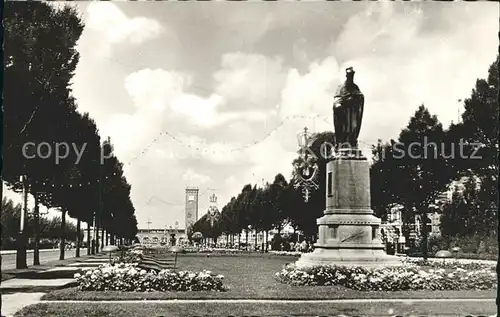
(176, 250)
(110, 249)
(303, 139)
(21, 243)
(455, 250)
(443, 254)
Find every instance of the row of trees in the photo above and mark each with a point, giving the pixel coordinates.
(40, 60)
(50, 228)
(259, 209)
(411, 171)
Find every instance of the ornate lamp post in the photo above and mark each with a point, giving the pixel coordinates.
(305, 168)
(171, 235)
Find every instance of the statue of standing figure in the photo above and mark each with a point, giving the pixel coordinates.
(348, 108)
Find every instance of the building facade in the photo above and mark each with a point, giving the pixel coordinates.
(157, 237)
(191, 206)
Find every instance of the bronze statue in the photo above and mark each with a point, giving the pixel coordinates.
(348, 112)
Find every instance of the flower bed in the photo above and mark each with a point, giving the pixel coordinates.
(447, 264)
(128, 277)
(292, 253)
(407, 277)
(133, 256)
(220, 251)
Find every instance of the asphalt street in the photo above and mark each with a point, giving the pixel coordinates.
(9, 260)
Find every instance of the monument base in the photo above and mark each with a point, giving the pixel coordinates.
(348, 233)
(347, 257)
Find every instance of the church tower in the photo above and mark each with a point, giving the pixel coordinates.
(191, 206)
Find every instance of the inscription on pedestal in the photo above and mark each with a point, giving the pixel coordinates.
(334, 231)
(349, 186)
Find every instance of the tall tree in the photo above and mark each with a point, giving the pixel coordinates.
(421, 167)
(478, 133)
(40, 57)
(382, 170)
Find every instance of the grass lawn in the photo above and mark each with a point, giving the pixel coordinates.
(252, 277)
(256, 309)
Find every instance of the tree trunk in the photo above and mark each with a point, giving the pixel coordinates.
(78, 230)
(89, 239)
(107, 237)
(246, 240)
(102, 238)
(255, 242)
(239, 240)
(36, 244)
(62, 246)
(96, 242)
(112, 238)
(267, 240)
(425, 234)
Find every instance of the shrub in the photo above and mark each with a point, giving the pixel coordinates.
(469, 244)
(276, 242)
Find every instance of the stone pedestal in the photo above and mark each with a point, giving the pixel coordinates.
(349, 233)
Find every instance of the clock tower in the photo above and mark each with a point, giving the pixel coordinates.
(191, 206)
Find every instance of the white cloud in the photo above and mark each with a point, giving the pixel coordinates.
(397, 64)
(312, 92)
(399, 67)
(114, 27)
(195, 178)
(201, 111)
(155, 88)
(253, 78)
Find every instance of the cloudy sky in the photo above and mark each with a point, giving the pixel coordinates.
(213, 94)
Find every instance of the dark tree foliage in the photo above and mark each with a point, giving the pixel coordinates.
(40, 60)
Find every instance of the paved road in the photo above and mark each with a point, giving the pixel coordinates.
(9, 260)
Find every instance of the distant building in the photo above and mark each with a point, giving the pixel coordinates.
(392, 229)
(455, 186)
(156, 237)
(435, 223)
(191, 206)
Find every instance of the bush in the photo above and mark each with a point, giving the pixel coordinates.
(407, 277)
(276, 242)
(470, 244)
(128, 277)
